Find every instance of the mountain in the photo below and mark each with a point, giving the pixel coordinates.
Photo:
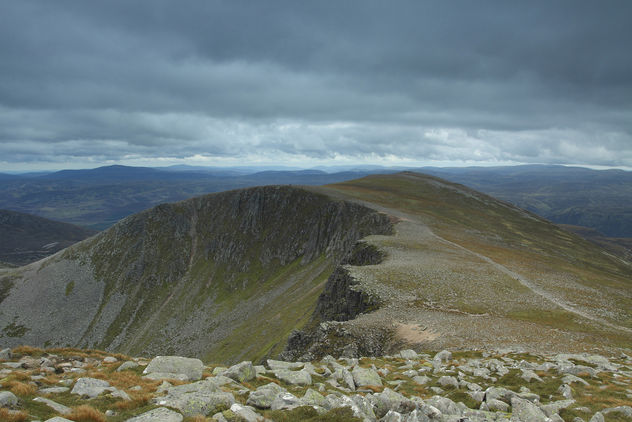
(599, 199)
(358, 268)
(27, 238)
(193, 277)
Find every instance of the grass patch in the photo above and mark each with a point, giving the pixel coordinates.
(7, 415)
(85, 413)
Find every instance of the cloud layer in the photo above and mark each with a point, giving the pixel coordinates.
(286, 81)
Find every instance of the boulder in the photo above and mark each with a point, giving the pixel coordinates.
(525, 411)
(245, 413)
(280, 364)
(130, 364)
(8, 399)
(443, 356)
(446, 406)
(5, 354)
(199, 402)
(313, 398)
(408, 354)
(241, 372)
(421, 379)
(554, 408)
(622, 410)
(448, 382)
(391, 400)
(54, 390)
(59, 408)
(176, 365)
(365, 376)
(263, 396)
(301, 377)
(161, 414)
(285, 400)
(91, 387)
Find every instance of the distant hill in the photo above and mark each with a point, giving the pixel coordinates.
(98, 198)
(27, 238)
(599, 199)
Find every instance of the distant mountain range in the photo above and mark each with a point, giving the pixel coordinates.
(97, 198)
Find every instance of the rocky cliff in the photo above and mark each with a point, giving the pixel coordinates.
(196, 277)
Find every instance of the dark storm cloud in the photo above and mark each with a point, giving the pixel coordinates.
(481, 81)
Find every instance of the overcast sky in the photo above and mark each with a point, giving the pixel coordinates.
(87, 83)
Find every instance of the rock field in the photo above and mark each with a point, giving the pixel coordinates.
(59, 385)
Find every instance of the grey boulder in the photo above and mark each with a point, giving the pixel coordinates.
(176, 365)
(8, 399)
(365, 376)
(91, 387)
(241, 372)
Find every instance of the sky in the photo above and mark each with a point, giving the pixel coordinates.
(305, 83)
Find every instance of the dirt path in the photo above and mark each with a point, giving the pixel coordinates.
(534, 288)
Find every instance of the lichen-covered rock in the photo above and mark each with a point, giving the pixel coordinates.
(391, 400)
(263, 396)
(285, 400)
(365, 376)
(313, 398)
(241, 372)
(176, 365)
(301, 377)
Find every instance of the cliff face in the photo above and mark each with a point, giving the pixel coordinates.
(196, 277)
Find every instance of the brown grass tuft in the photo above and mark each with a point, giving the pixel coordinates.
(8, 416)
(138, 400)
(374, 388)
(86, 413)
(196, 418)
(20, 376)
(22, 389)
(28, 350)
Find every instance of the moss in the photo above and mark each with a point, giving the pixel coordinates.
(15, 330)
(70, 287)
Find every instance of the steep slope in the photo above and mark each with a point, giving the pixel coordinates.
(27, 238)
(467, 271)
(196, 277)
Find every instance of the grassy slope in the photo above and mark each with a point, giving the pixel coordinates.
(563, 264)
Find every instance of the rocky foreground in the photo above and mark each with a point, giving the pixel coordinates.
(59, 385)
